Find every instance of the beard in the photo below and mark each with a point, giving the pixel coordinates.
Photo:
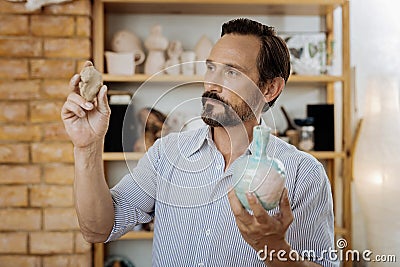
(232, 115)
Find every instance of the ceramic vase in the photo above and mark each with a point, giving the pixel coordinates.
(202, 49)
(188, 59)
(259, 173)
(127, 42)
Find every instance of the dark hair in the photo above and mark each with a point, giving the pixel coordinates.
(273, 59)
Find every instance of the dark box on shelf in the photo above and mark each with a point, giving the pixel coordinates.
(121, 129)
(324, 124)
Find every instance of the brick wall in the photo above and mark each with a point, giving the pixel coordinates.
(39, 52)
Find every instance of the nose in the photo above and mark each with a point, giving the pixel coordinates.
(213, 82)
(212, 87)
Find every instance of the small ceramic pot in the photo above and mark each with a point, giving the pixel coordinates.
(123, 63)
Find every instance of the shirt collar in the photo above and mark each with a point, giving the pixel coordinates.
(205, 135)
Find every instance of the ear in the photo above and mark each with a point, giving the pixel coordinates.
(273, 88)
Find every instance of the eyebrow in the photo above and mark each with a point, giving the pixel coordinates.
(235, 66)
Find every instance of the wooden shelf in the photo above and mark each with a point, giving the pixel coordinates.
(340, 231)
(251, 7)
(138, 78)
(327, 154)
(136, 235)
(315, 79)
(156, 78)
(121, 156)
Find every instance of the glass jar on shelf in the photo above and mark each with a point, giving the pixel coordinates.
(306, 138)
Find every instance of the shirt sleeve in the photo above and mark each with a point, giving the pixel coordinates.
(134, 196)
(312, 232)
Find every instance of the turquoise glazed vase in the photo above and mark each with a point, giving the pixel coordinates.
(259, 173)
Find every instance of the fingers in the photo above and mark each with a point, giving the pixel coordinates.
(258, 210)
(285, 214)
(70, 109)
(80, 101)
(102, 101)
(75, 106)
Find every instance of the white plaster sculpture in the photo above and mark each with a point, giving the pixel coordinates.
(202, 49)
(37, 4)
(174, 51)
(156, 44)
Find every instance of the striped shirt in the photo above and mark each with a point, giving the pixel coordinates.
(181, 181)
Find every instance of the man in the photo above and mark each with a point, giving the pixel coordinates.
(184, 178)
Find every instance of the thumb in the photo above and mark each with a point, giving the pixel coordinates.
(284, 208)
(102, 101)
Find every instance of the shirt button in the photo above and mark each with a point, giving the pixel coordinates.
(208, 231)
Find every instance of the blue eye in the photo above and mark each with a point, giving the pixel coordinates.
(233, 73)
(210, 67)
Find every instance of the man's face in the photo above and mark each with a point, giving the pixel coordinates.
(231, 95)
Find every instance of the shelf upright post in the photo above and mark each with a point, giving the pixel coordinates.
(347, 172)
(332, 164)
(98, 60)
(98, 34)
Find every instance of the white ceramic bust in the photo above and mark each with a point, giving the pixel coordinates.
(156, 44)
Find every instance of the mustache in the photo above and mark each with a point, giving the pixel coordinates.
(212, 95)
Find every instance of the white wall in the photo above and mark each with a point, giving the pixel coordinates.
(375, 44)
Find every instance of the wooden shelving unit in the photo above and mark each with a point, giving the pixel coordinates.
(140, 78)
(118, 156)
(137, 235)
(322, 8)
